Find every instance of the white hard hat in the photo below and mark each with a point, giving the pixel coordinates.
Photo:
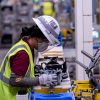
(49, 27)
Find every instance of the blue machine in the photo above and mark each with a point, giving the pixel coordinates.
(59, 96)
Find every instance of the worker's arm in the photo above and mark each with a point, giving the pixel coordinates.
(19, 65)
(19, 81)
(43, 79)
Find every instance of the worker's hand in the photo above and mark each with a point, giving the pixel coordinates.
(46, 79)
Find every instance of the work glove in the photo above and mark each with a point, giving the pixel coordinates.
(46, 79)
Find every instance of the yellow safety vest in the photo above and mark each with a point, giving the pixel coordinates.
(7, 92)
(48, 8)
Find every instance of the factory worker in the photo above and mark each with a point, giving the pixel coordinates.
(17, 68)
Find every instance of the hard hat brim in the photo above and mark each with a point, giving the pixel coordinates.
(44, 31)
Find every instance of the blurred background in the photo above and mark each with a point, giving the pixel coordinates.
(15, 14)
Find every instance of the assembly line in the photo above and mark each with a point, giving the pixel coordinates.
(49, 49)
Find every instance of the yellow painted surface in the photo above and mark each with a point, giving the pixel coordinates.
(64, 32)
(86, 87)
(47, 90)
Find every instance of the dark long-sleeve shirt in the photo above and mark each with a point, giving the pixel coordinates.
(20, 62)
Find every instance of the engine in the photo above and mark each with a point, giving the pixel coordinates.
(52, 65)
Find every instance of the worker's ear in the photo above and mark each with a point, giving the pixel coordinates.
(33, 39)
(36, 38)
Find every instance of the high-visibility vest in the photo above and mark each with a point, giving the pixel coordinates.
(48, 8)
(8, 92)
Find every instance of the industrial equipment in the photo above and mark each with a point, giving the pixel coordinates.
(53, 62)
(88, 89)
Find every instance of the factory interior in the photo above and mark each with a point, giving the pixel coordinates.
(79, 22)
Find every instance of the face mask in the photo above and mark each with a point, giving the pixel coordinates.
(42, 46)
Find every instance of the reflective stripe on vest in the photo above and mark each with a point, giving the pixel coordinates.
(2, 77)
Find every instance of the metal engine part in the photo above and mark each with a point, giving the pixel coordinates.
(52, 65)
